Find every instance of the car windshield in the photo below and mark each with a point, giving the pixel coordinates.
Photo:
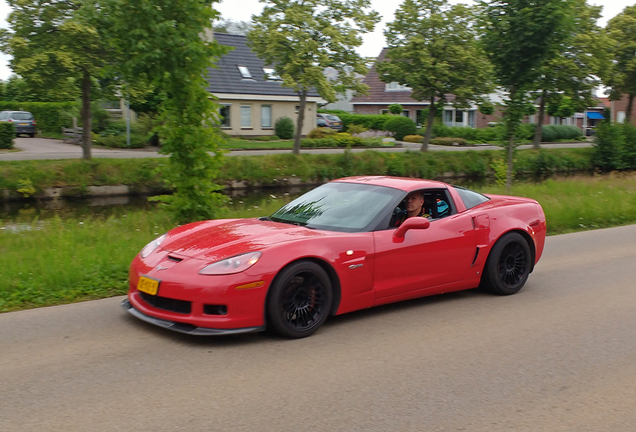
(333, 118)
(338, 206)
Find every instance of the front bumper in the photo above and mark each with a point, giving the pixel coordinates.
(185, 328)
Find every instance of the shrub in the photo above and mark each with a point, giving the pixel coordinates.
(369, 121)
(396, 109)
(356, 129)
(284, 128)
(414, 138)
(321, 132)
(607, 147)
(552, 133)
(449, 141)
(7, 134)
(119, 141)
(338, 140)
(400, 126)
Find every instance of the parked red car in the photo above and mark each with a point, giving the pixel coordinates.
(331, 251)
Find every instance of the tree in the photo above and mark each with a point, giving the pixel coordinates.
(54, 45)
(433, 50)
(622, 76)
(519, 37)
(575, 66)
(166, 44)
(300, 38)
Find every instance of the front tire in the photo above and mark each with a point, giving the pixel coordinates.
(508, 265)
(299, 300)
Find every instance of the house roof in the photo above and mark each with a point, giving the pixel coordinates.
(227, 78)
(377, 89)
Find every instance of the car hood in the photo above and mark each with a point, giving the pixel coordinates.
(212, 242)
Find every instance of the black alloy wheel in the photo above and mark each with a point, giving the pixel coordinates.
(508, 265)
(300, 300)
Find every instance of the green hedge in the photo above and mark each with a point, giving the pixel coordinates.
(7, 135)
(551, 133)
(49, 116)
(272, 170)
(400, 126)
(369, 121)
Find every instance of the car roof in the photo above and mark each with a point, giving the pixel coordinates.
(402, 183)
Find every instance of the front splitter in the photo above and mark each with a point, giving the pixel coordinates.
(183, 327)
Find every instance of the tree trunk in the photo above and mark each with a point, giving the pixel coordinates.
(301, 120)
(511, 147)
(86, 115)
(538, 131)
(630, 105)
(429, 125)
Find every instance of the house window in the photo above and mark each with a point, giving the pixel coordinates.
(471, 119)
(224, 112)
(266, 116)
(406, 113)
(383, 111)
(620, 117)
(459, 117)
(448, 118)
(245, 72)
(271, 75)
(246, 116)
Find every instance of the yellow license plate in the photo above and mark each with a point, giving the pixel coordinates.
(147, 285)
(23, 124)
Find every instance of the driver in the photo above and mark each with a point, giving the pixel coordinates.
(414, 207)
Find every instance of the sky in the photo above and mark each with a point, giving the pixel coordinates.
(242, 10)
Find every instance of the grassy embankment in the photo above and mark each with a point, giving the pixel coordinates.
(57, 261)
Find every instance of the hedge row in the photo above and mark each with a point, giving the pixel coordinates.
(278, 169)
(550, 133)
(7, 135)
(50, 117)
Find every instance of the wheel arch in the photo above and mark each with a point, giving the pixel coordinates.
(528, 238)
(333, 278)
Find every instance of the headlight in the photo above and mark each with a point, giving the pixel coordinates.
(232, 265)
(147, 250)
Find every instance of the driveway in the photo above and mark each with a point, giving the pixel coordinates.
(46, 148)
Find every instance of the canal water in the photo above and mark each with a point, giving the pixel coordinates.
(28, 210)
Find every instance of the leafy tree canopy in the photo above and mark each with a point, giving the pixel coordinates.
(57, 49)
(233, 27)
(622, 76)
(520, 37)
(300, 38)
(165, 45)
(433, 50)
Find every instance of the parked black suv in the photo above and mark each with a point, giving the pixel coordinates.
(23, 120)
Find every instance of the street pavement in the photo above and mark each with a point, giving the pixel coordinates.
(557, 356)
(46, 148)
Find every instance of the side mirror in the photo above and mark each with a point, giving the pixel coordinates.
(411, 223)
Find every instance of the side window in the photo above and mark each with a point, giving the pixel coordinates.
(470, 198)
(436, 204)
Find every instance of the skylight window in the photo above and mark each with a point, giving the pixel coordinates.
(270, 74)
(245, 72)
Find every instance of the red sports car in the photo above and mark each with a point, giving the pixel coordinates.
(346, 245)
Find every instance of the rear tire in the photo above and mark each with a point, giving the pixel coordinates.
(508, 265)
(300, 300)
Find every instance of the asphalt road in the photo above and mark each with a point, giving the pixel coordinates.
(558, 356)
(45, 148)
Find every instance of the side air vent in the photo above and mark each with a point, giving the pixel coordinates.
(476, 255)
(175, 259)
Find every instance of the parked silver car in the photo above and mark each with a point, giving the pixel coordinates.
(329, 120)
(23, 120)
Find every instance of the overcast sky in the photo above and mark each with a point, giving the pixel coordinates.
(242, 10)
